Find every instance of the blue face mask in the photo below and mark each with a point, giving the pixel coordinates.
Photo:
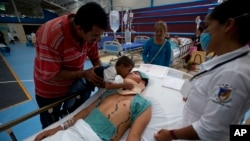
(205, 40)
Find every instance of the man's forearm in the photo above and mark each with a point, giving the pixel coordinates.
(186, 133)
(96, 62)
(114, 85)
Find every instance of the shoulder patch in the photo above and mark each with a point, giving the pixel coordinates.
(224, 93)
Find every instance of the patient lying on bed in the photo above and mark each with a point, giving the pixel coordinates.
(109, 116)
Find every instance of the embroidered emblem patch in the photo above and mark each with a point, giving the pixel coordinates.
(224, 93)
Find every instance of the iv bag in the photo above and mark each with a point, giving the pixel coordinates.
(127, 36)
(114, 20)
(125, 17)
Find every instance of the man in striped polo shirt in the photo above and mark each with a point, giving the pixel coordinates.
(62, 45)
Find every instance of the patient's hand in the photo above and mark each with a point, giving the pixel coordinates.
(47, 133)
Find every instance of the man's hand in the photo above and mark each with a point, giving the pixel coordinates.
(93, 78)
(127, 85)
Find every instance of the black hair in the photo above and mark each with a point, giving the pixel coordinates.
(145, 80)
(125, 61)
(240, 11)
(91, 14)
(201, 29)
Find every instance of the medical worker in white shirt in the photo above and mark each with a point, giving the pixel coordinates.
(219, 95)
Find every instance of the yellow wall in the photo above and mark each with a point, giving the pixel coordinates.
(17, 30)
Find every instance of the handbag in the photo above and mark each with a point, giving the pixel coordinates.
(158, 52)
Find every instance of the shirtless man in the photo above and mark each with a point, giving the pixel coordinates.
(111, 115)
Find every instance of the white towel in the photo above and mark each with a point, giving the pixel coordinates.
(81, 131)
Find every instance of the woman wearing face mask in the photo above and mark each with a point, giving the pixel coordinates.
(218, 96)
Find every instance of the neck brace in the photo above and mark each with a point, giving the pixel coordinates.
(138, 88)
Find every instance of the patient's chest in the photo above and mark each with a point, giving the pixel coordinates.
(117, 109)
(111, 117)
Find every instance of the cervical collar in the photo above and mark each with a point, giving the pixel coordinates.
(138, 88)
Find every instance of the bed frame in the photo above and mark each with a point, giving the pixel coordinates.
(7, 126)
(183, 50)
(117, 49)
(159, 115)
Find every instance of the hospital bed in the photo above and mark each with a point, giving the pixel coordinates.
(141, 39)
(167, 103)
(117, 49)
(104, 39)
(179, 52)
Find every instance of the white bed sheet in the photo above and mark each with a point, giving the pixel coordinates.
(167, 106)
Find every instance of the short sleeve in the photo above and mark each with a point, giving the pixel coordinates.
(110, 74)
(138, 106)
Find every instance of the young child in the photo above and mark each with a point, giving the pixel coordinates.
(123, 67)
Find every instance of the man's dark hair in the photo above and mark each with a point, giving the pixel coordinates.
(91, 14)
(126, 61)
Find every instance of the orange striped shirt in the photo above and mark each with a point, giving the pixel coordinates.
(56, 50)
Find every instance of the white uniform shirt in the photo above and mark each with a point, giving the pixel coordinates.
(109, 74)
(219, 97)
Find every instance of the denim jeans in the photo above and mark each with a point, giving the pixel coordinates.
(80, 86)
(47, 118)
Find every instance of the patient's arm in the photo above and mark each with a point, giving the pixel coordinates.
(83, 113)
(124, 85)
(139, 125)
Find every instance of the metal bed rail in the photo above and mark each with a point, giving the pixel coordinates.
(184, 50)
(7, 126)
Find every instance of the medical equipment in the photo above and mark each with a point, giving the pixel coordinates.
(183, 49)
(114, 21)
(117, 49)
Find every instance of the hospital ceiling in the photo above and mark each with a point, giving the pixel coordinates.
(33, 8)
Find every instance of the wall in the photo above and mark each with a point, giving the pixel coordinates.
(135, 4)
(4, 28)
(165, 2)
(47, 16)
(17, 30)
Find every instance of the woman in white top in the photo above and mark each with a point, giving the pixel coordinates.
(219, 95)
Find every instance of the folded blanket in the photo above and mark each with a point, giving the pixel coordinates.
(81, 131)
